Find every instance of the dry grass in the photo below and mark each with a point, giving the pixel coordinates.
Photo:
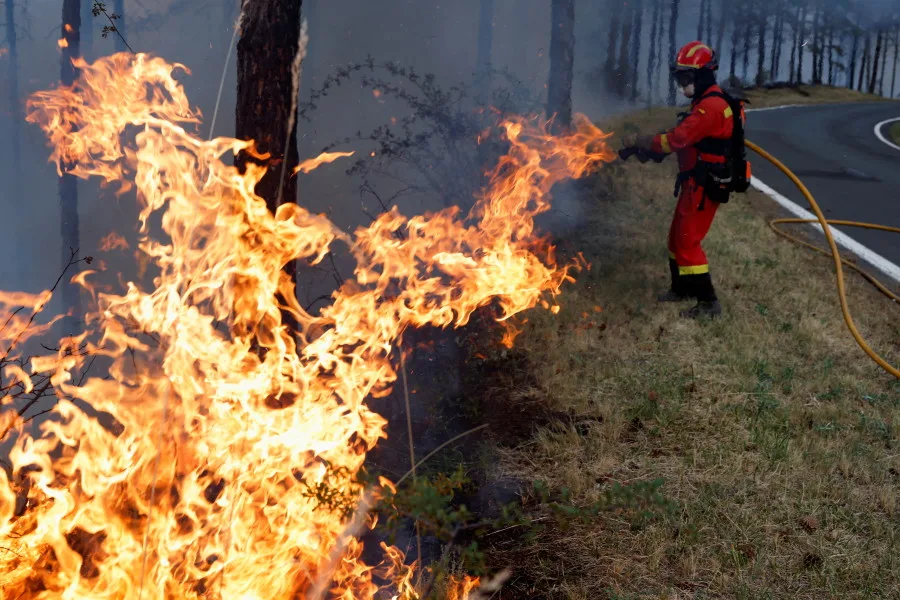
(807, 94)
(774, 433)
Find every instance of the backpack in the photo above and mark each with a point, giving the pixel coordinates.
(734, 175)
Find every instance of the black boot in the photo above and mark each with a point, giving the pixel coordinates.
(707, 303)
(679, 291)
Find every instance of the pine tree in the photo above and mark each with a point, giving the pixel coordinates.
(562, 59)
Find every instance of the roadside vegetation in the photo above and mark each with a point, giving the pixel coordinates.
(894, 132)
(772, 438)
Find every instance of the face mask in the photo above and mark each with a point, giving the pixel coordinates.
(688, 90)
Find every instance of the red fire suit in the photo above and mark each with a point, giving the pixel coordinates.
(710, 117)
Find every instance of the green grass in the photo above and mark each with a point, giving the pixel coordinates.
(894, 132)
(774, 433)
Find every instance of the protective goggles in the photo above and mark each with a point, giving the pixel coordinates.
(683, 78)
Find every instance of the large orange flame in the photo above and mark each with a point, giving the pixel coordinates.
(228, 420)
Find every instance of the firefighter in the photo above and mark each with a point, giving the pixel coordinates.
(701, 141)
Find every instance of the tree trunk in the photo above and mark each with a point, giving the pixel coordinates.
(701, 19)
(15, 113)
(562, 62)
(745, 59)
(655, 26)
(883, 65)
(612, 39)
(673, 49)
(776, 37)
(896, 48)
(720, 29)
(15, 109)
(795, 43)
(854, 50)
(865, 62)
(820, 69)
(265, 100)
(119, 11)
(87, 29)
(830, 46)
(636, 47)
(485, 45)
(623, 71)
(873, 80)
(735, 39)
(816, 46)
(68, 184)
(800, 48)
(709, 26)
(761, 28)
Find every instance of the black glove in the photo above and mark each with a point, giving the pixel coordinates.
(642, 154)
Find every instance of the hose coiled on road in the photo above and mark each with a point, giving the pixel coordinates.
(834, 253)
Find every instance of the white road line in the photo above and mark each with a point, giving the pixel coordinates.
(747, 110)
(840, 238)
(880, 135)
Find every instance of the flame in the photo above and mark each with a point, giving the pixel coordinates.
(62, 43)
(113, 241)
(227, 421)
(326, 157)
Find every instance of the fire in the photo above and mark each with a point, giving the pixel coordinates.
(113, 241)
(62, 43)
(228, 421)
(326, 157)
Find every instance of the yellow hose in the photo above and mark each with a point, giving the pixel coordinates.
(838, 261)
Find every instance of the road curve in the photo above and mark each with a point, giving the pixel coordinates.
(834, 150)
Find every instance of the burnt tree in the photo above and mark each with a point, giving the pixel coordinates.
(119, 12)
(485, 44)
(562, 62)
(673, 48)
(268, 45)
(266, 49)
(68, 185)
(883, 67)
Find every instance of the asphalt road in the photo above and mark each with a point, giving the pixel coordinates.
(834, 151)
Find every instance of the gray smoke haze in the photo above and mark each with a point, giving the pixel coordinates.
(431, 36)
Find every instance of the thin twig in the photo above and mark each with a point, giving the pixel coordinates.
(412, 456)
(98, 8)
(72, 262)
(438, 449)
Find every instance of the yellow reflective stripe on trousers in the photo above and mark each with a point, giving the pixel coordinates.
(694, 270)
(664, 142)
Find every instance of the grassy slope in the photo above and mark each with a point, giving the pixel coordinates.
(774, 433)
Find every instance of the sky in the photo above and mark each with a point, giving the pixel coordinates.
(432, 36)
